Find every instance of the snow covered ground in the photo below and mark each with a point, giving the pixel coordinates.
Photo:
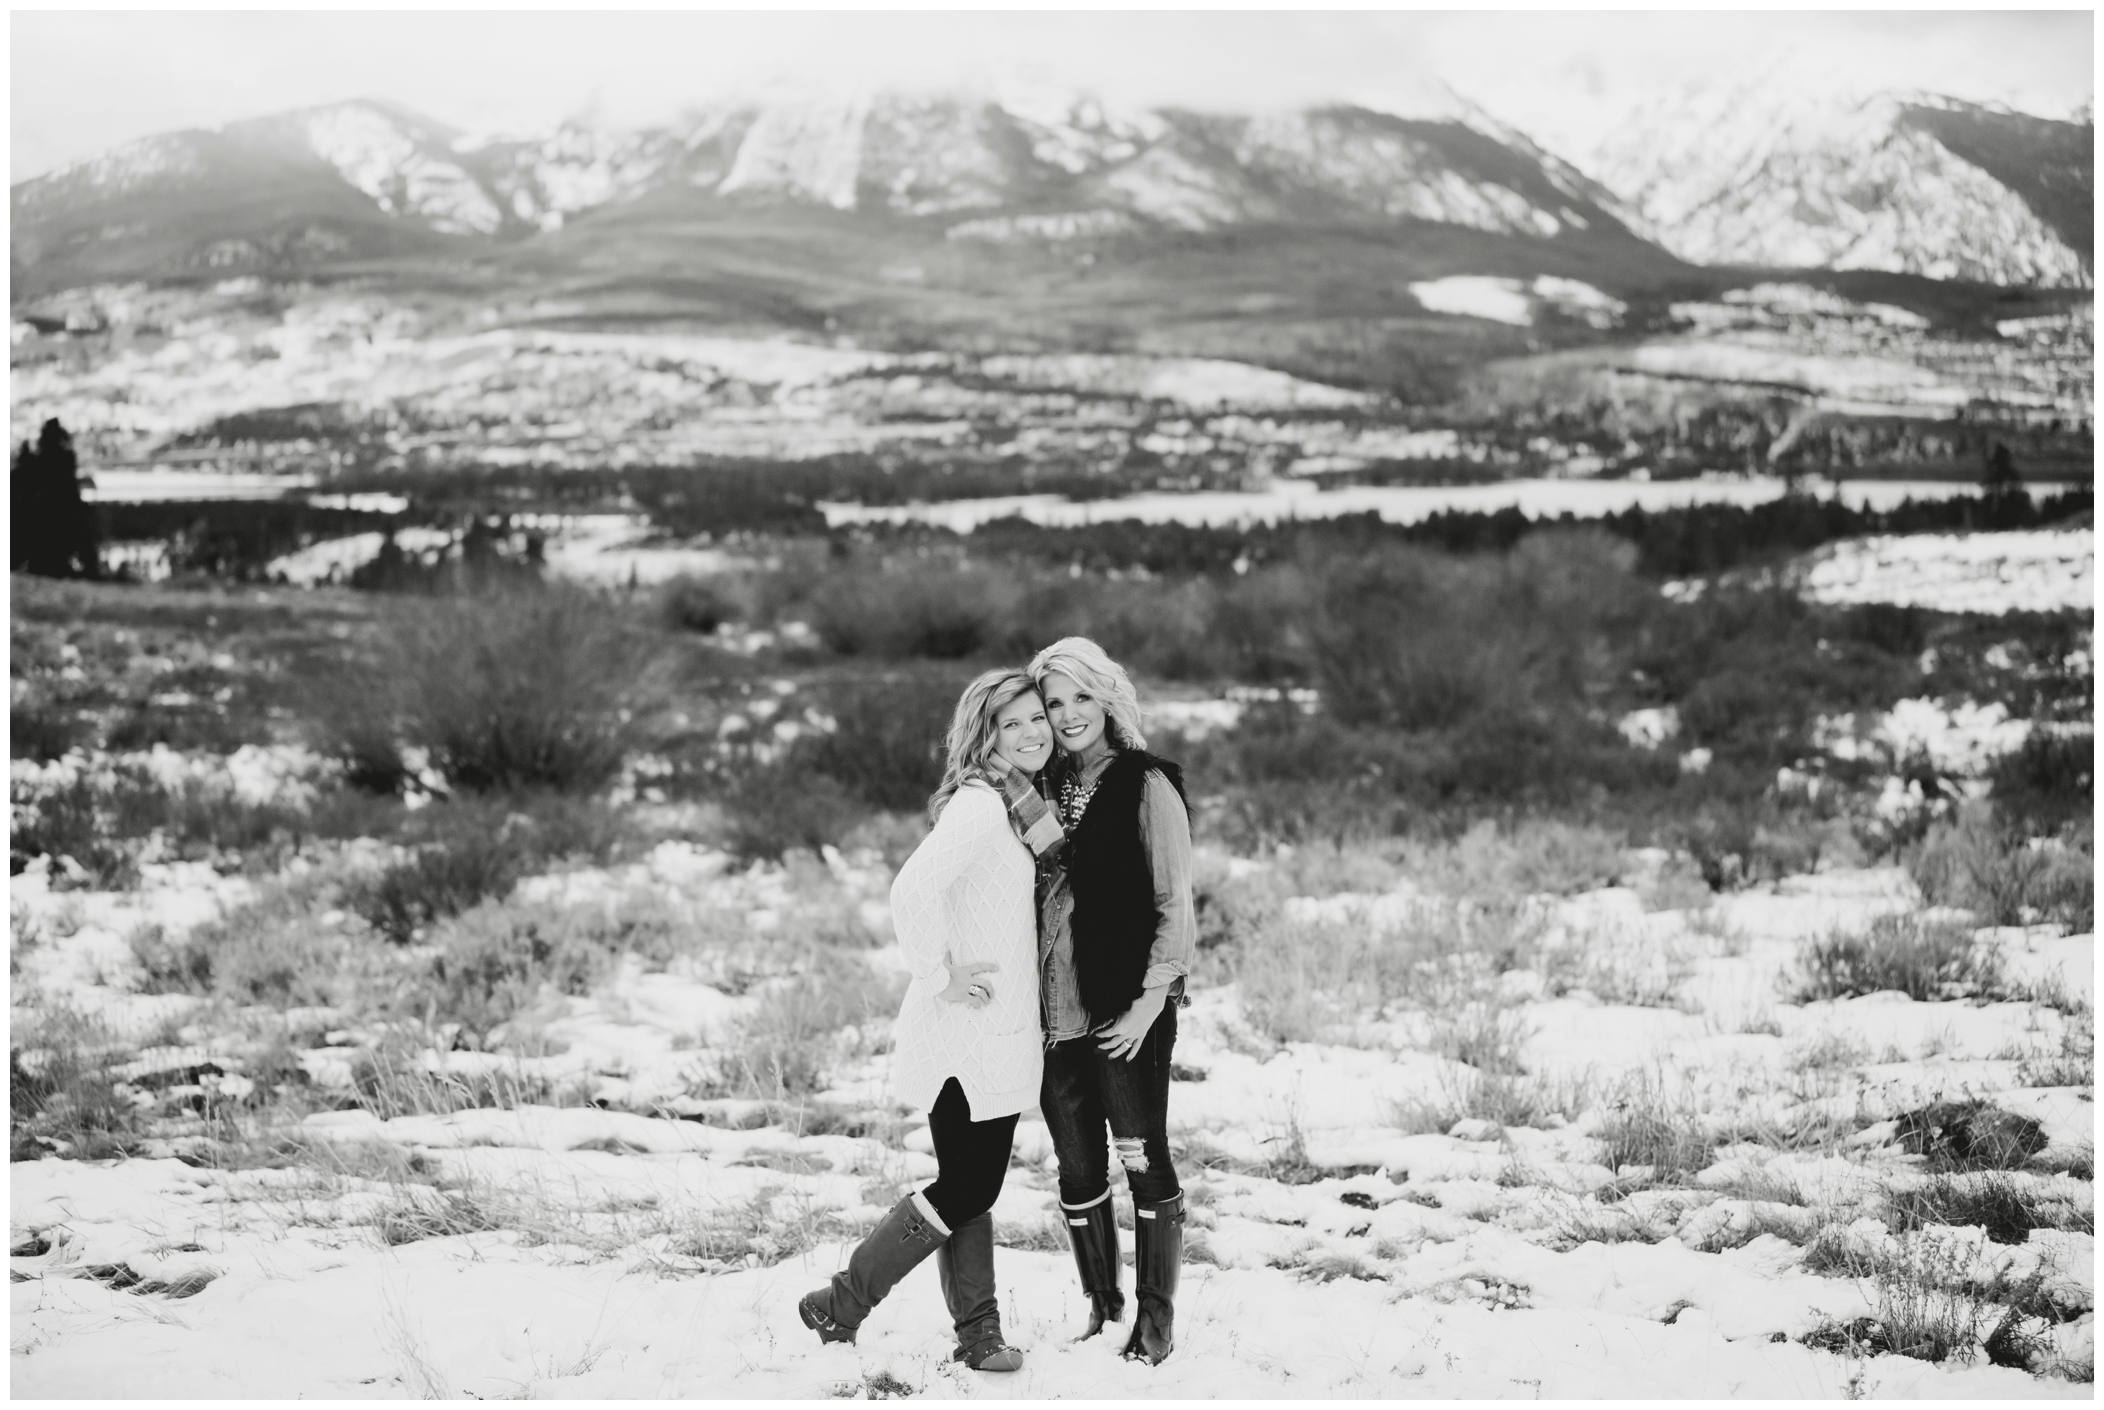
(1338, 1247)
(2034, 570)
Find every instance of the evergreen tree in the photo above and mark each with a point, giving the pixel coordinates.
(53, 531)
(2001, 480)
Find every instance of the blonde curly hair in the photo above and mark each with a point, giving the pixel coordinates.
(1089, 666)
(968, 749)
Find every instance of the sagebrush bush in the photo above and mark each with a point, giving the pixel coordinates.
(1303, 980)
(939, 609)
(272, 950)
(789, 1044)
(519, 688)
(43, 727)
(2046, 782)
(1924, 959)
(690, 604)
(63, 1089)
(1502, 1098)
(1970, 1135)
(437, 880)
(496, 962)
(1648, 1125)
(2007, 1206)
(1977, 863)
(415, 1213)
(1533, 856)
(886, 744)
(775, 806)
(470, 848)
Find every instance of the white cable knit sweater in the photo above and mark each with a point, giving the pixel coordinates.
(967, 892)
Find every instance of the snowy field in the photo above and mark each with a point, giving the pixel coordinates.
(2035, 570)
(1348, 1239)
(1515, 1114)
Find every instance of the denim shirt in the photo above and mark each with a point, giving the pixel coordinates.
(1165, 833)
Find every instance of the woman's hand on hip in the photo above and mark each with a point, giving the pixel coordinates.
(966, 985)
(1122, 1038)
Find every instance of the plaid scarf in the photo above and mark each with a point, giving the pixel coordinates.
(1028, 813)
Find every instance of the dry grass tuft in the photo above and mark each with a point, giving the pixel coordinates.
(1506, 1099)
(1924, 959)
(1651, 1129)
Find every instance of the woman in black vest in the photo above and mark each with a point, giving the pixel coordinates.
(1116, 937)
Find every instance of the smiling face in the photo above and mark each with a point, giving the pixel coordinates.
(1078, 717)
(1022, 734)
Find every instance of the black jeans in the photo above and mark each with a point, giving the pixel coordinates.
(1086, 1093)
(971, 1157)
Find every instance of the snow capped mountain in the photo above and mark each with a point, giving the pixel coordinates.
(1716, 176)
(168, 158)
(1743, 176)
(807, 150)
(404, 163)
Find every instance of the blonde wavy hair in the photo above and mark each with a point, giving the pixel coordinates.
(1087, 665)
(968, 749)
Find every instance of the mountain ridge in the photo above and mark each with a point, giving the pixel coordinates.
(364, 180)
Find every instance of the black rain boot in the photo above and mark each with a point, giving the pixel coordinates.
(1157, 1259)
(966, 1264)
(902, 1238)
(1094, 1234)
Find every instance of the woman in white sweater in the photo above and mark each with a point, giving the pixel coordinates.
(969, 1048)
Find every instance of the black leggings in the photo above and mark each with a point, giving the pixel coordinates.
(971, 1157)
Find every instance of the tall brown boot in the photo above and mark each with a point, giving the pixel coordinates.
(966, 1264)
(902, 1238)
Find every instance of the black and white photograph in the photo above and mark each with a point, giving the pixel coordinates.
(1085, 704)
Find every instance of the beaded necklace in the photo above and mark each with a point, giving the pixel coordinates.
(1074, 798)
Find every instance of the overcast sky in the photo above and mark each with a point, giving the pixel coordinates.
(83, 82)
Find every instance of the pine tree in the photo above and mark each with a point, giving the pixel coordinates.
(53, 532)
(2001, 481)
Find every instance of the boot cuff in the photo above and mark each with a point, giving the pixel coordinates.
(927, 1212)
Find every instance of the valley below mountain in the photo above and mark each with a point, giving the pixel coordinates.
(1101, 302)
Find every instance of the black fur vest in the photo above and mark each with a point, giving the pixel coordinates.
(1115, 915)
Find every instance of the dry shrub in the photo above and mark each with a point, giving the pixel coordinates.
(1924, 959)
(1505, 1099)
(1533, 857)
(788, 1045)
(496, 962)
(416, 1214)
(271, 950)
(2007, 1206)
(940, 610)
(393, 1079)
(469, 849)
(1481, 1033)
(1971, 1135)
(1649, 1126)
(64, 1092)
(752, 1228)
(516, 688)
(1978, 864)
(1300, 981)
(1047, 1235)
(1587, 1221)
(1922, 1309)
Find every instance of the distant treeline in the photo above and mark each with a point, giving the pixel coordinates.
(238, 538)
(1776, 435)
(734, 495)
(1681, 542)
(231, 538)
